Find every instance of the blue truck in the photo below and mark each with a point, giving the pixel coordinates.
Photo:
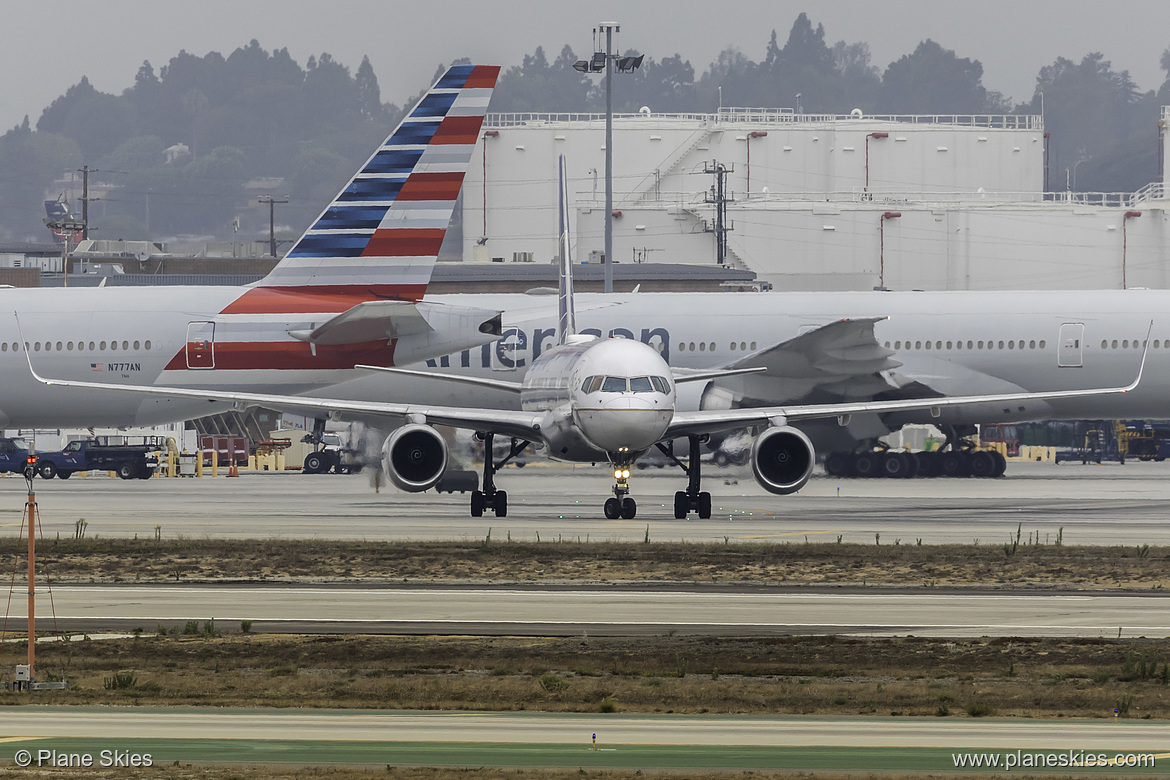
(130, 457)
(13, 455)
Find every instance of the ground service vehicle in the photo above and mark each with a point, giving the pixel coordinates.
(13, 455)
(128, 456)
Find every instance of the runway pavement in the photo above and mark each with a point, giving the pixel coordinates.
(1096, 504)
(156, 737)
(613, 611)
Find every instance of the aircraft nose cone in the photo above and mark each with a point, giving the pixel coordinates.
(625, 422)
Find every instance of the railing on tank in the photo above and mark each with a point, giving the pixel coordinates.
(770, 116)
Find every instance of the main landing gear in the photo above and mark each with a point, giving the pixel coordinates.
(693, 499)
(489, 497)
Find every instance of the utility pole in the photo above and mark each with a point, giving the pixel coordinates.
(271, 201)
(719, 197)
(85, 171)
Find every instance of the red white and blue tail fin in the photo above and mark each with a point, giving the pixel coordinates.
(380, 237)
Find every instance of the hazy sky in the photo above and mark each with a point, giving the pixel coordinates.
(45, 47)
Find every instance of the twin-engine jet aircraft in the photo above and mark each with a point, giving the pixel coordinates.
(349, 291)
(588, 399)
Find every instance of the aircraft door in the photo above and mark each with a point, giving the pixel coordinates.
(201, 345)
(1070, 345)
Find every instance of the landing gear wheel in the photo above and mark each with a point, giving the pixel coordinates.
(865, 464)
(1000, 464)
(955, 464)
(500, 503)
(894, 466)
(613, 509)
(629, 508)
(477, 503)
(928, 463)
(704, 506)
(315, 463)
(681, 505)
(837, 464)
(982, 465)
(46, 469)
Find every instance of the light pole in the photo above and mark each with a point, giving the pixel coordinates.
(605, 61)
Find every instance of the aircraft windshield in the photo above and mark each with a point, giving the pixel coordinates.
(614, 384)
(641, 384)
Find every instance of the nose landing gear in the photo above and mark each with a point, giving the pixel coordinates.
(621, 505)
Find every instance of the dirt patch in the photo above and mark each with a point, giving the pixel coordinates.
(491, 560)
(1039, 678)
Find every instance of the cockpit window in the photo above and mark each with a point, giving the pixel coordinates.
(592, 384)
(660, 384)
(641, 384)
(614, 384)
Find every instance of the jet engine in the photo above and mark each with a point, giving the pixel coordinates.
(782, 460)
(415, 457)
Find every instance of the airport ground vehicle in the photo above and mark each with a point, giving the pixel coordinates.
(129, 457)
(13, 455)
(1117, 440)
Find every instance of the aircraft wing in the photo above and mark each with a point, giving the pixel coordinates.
(842, 359)
(712, 421)
(509, 423)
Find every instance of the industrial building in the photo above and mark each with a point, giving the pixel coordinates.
(818, 202)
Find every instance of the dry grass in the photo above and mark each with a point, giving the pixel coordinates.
(668, 674)
(902, 564)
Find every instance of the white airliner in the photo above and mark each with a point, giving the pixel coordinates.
(592, 399)
(349, 291)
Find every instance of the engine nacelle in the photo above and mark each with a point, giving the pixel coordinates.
(415, 457)
(782, 460)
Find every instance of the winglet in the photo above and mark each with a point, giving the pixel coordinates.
(1141, 366)
(28, 355)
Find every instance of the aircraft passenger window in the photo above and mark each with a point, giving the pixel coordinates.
(733, 346)
(743, 346)
(897, 345)
(1001, 345)
(69, 346)
(1011, 345)
(958, 344)
(147, 345)
(660, 384)
(4, 347)
(614, 384)
(682, 347)
(1156, 343)
(712, 346)
(691, 346)
(1104, 344)
(1032, 344)
(948, 345)
(125, 345)
(928, 345)
(135, 345)
(59, 347)
(37, 347)
(753, 346)
(641, 384)
(1125, 344)
(702, 346)
(917, 345)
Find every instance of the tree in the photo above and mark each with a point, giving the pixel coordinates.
(29, 164)
(932, 80)
(1089, 109)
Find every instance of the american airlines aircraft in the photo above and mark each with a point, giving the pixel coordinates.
(593, 399)
(349, 291)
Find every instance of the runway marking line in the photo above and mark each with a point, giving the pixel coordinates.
(794, 533)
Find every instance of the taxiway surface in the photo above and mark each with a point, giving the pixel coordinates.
(1097, 504)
